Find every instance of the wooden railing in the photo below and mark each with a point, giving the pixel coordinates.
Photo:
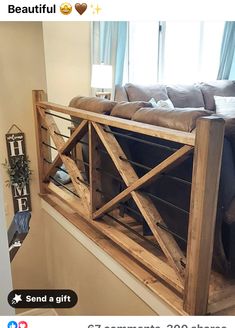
(188, 274)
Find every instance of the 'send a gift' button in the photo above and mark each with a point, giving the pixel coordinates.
(47, 298)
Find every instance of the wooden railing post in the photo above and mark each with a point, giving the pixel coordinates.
(41, 135)
(94, 174)
(204, 194)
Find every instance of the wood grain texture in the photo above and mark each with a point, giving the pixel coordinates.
(41, 135)
(94, 174)
(222, 299)
(153, 263)
(77, 152)
(204, 194)
(72, 201)
(77, 134)
(147, 129)
(144, 203)
(70, 165)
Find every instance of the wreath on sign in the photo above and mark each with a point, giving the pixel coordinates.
(19, 171)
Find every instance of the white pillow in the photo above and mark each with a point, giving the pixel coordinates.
(153, 102)
(162, 103)
(225, 106)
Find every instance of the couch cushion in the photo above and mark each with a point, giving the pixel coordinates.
(93, 104)
(221, 88)
(185, 96)
(120, 93)
(144, 93)
(178, 118)
(127, 109)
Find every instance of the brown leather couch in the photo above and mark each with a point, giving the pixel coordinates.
(190, 102)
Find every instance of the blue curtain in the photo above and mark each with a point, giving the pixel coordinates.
(232, 71)
(109, 46)
(227, 54)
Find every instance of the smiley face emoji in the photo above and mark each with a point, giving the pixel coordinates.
(66, 8)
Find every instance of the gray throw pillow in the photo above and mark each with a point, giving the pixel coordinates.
(184, 96)
(137, 92)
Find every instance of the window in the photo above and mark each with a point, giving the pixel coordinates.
(174, 51)
(143, 52)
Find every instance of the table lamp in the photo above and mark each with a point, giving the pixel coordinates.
(101, 78)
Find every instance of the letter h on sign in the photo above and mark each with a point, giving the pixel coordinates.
(16, 149)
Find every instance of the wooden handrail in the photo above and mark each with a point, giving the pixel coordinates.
(182, 137)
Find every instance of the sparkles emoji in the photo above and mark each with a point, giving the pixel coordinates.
(95, 9)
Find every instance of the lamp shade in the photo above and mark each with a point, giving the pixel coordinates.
(101, 76)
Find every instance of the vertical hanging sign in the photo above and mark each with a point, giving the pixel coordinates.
(18, 165)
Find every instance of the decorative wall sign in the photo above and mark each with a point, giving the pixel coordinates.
(18, 170)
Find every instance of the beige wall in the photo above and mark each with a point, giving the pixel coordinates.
(5, 268)
(21, 70)
(67, 54)
(67, 58)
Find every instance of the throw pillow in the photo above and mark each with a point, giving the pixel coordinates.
(225, 106)
(144, 93)
(189, 96)
(162, 103)
(153, 102)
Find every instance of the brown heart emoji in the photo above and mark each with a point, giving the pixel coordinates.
(81, 7)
